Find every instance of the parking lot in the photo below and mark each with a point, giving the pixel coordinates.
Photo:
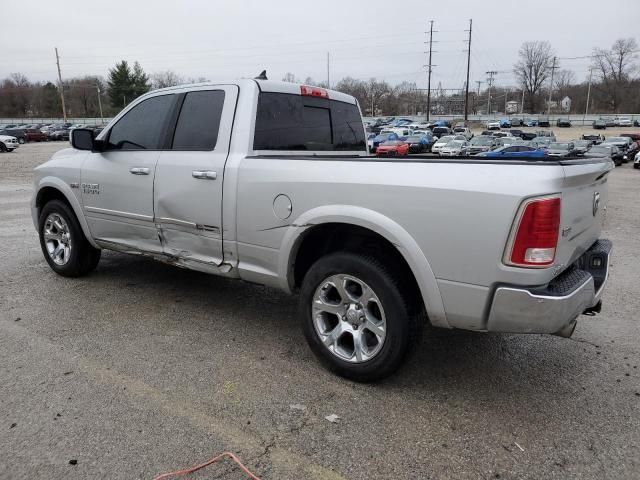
(141, 368)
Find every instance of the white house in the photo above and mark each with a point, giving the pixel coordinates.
(565, 104)
(513, 106)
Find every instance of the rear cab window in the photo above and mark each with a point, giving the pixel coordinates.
(290, 122)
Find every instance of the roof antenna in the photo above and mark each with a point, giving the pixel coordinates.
(262, 76)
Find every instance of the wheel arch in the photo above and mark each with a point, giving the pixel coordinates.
(51, 188)
(402, 249)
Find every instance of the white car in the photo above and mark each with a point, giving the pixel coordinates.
(622, 122)
(454, 148)
(8, 143)
(493, 125)
(463, 131)
(441, 142)
(636, 161)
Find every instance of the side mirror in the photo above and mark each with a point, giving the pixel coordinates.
(82, 139)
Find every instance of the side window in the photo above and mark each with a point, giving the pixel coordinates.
(199, 121)
(143, 126)
(511, 149)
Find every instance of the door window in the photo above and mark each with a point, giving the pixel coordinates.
(199, 121)
(142, 127)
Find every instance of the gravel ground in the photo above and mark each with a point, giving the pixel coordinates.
(141, 368)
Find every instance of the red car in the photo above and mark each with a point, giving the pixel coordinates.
(33, 135)
(393, 148)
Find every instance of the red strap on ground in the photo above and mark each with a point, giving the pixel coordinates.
(206, 464)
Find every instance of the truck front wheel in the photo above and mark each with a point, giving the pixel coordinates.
(63, 243)
(356, 317)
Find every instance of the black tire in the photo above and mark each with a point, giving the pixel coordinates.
(3, 147)
(403, 324)
(83, 258)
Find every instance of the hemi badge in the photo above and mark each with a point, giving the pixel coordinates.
(74, 185)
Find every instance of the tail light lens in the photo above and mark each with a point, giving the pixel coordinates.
(536, 238)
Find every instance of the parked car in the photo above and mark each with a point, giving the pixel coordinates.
(505, 123)
(516, 132)
(563, 123)
(459, 130)
(530, 122)
(35, 135)
(59, 134)
(636, 161)
(8, 143)
(633, 136)
(581, 146)
(623, 143)
(608, 121)
(15, 132)
(517, 122)
(419, 143)
(481, 143)
(441, 142)
(609, 151)
(636, 123)
(454, 148)
(599, 124)
(528, 135)
(594, 139)
(561, 149)
(374, 251)
(546, 133)
(515, 151)
(493, 125)
(393, 148)
(441, 131)
(501, 134)
(381, 138)
(544, 122)
(622, 121)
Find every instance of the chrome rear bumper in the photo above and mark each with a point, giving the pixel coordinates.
(553, 308)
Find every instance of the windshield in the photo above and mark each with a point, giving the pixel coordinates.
(481, 141)
(600, 149)
(414, 138)
(615, 139)
(559, 146)
(455, 143)
(582, 143)
(445, 139)
(382, 137)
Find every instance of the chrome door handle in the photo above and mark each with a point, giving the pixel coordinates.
(204, 174)
(139, 170)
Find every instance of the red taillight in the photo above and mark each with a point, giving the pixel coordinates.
(313, 91)
(536, 238)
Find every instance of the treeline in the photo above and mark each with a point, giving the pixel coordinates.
(615, 88)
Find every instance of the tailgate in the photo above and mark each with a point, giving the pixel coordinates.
(584, 201)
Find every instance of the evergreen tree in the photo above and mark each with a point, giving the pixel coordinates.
(120, 83)
(140, 80)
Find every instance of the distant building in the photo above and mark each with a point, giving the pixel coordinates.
(565, 104)
(513, 106)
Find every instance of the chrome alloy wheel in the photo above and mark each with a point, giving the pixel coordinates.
(349, 318)
(57, 238)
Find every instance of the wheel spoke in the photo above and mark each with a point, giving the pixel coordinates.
(48, 235)
(58, 250)
(338, 283)
(323, 306)
(332, 337)
(377, 330)
(358, 346)
(58, 224)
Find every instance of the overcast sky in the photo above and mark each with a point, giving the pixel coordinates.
(365, 38)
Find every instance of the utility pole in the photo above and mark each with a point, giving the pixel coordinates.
(64, 108)
(429, 70)
(522, 102)
(100, 103)
(491, 73)
(586, 110)
(466, 93)
(553, 69)
(328, 82)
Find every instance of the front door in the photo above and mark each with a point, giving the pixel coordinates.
(189, 177)
(117, 183)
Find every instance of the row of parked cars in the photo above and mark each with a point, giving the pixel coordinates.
(11, 135)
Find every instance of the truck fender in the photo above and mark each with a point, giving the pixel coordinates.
(379, 224)
(65, 189)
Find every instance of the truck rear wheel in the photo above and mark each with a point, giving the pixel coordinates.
(356, 317)
(64, 246)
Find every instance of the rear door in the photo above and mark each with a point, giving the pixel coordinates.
(189, 175)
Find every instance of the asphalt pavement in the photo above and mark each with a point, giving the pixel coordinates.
(142, 368)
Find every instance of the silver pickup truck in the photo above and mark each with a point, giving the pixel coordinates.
(271, 182)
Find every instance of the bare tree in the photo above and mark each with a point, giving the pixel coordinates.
(289, 77)
(533, 68)
(563, 80)
(165, 79)
(614, 68)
